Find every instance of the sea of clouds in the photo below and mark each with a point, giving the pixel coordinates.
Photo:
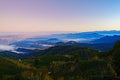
(7, 48)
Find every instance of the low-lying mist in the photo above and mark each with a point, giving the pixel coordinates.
(7, 48)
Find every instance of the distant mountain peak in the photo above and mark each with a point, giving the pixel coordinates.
(107, 39)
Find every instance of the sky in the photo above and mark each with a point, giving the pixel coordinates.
(59, 15)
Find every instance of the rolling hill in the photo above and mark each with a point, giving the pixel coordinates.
(107, 39)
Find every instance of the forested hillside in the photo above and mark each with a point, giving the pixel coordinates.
(64, 63)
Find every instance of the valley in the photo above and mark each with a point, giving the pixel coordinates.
(54, 57)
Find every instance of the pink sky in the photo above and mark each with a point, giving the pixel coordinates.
(59, 15)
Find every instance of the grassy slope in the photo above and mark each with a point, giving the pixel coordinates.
(75, 63)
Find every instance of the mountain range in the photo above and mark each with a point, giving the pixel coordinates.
(100, 40)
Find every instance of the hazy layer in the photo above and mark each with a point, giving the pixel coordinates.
(7, 47)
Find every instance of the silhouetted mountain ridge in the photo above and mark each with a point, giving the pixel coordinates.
(107, 39)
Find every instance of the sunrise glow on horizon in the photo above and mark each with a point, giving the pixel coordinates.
(59, 15)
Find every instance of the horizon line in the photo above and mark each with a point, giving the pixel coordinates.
(54, 31)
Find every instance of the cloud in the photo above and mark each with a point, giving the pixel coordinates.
(7, 47)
